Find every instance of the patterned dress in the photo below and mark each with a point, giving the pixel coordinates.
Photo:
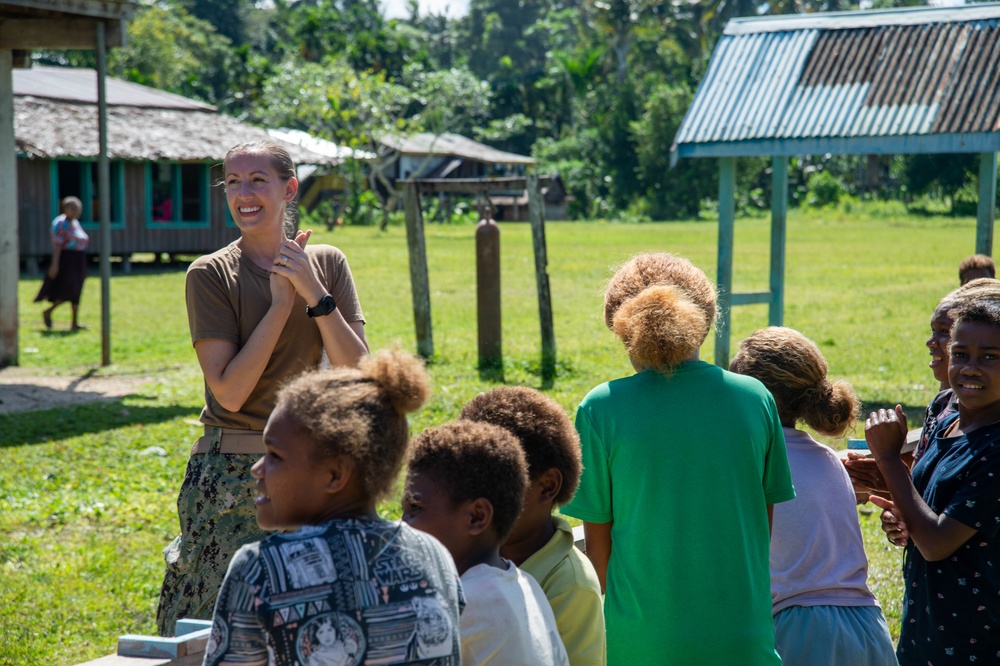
(951, 610)
(67, 285)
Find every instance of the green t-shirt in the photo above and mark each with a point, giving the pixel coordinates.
(685, 466)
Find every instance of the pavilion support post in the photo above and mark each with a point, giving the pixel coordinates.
(536, 214)
(419, 284)
(104, 191)
(9, 259)
(779, 208)
(724, 273)
(987, 203)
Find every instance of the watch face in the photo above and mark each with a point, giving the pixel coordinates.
(325, 306)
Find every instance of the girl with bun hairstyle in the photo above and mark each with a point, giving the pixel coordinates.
(824, 613)
(682, 463)
(335, 443)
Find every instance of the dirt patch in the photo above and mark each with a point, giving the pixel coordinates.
(21, 391)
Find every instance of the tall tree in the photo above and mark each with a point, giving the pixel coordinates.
(331, 100)
(228, 17)
(171, 50)
(353, 29)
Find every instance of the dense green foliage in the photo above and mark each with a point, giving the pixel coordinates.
(594, 89)
(86, 507)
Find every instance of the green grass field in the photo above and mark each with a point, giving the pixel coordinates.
(84, 513)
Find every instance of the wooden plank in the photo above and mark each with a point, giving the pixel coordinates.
(186, 649)
(470, 185)
(536, 213)
(104, 191)
(986, 213)
(189, 626)
(779, 208)
(135, 645)
(118, 660)
(57, 33)
(724, 273)
(9, 260)
(419, 284)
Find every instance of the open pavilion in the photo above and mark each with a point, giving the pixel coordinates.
(900, 81)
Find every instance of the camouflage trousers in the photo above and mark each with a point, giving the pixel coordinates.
(217, 516)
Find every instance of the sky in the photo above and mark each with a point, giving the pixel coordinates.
(452, 8)
(455, 8)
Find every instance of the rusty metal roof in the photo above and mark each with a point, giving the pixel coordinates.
(897, 81)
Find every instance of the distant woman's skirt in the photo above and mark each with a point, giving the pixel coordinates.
(67, 285)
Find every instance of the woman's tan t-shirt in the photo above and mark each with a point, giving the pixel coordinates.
(228, 295)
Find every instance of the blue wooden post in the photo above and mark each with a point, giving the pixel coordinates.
(779, 207)
(987, 203)
(724, 273)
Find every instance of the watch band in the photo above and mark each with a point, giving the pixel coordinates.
(325, 306)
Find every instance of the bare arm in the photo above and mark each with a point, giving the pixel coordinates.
(936, 536)
(54, 263)
(232, 373)
(343, 341)
(598, 536)
(866, 477)
(770, 519)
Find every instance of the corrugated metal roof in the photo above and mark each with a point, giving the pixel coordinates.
(928, 80)
(101, 8)
(318, 145)
(427, 143)
(80, 85)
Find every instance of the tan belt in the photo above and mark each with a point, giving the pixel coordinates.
(229, 440)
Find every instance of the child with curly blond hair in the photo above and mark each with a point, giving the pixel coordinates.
(824, 612)
(682, 463)
(341, 585)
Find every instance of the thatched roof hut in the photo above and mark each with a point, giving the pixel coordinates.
(165, 150)
(55, 117)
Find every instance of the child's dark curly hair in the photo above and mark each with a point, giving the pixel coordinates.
(662, 307)
(360, 412)
(793, 369)
(981, 312)
(471, 460)
(541, 425)
(977, 262)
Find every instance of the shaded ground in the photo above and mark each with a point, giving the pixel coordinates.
(22, 391)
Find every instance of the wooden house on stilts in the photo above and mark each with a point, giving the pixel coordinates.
(165, 153)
